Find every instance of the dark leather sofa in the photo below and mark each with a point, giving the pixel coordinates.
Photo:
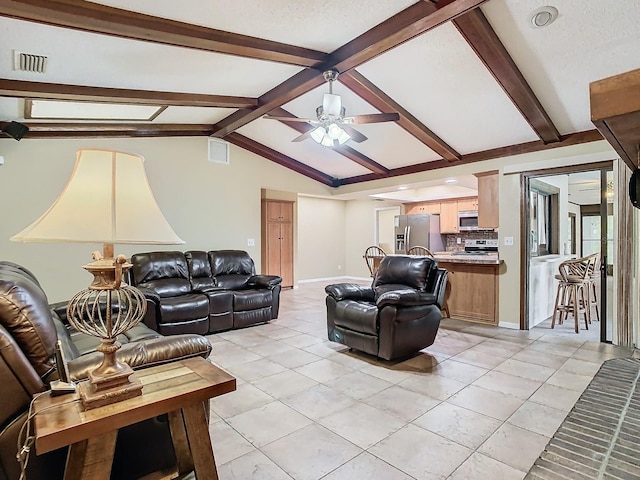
(204, 292)
(29, 328)
(397, 316)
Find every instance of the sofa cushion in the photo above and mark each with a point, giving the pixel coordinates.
(225, 262)
(26, 315)
(199, 270)
(251, 299)
(185, 307)
(358, 316)
(150, 266)
(168, 287)
(233, 282)
(414, 272)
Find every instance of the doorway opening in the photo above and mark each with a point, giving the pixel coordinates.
(569, 218)
(385, 228)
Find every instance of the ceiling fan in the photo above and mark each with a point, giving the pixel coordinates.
(333, 128)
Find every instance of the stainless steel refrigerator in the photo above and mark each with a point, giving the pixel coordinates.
(418, 230)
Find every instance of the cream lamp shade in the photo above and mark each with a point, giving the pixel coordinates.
(107, 200)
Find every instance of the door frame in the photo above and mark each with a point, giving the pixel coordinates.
(525, 178)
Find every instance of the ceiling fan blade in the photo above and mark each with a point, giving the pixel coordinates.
(290, 119)
(355, 135)
(304, 136)
(372, 118)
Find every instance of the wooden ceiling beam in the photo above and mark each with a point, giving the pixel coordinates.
(518, 149)
(343, 150)
(477, 31)
(300, 83)
(281, 159)
(409, 23)
(82, 93)
(359, 84)
(108, 130)
(96, 18)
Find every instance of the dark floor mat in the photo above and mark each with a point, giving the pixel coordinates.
(600, 438)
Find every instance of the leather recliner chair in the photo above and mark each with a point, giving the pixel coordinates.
(397, 316)
(29, 328)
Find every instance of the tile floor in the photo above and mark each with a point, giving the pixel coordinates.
(480, 403)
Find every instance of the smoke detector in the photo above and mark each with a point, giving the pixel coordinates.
(29, 62)
(543, 17)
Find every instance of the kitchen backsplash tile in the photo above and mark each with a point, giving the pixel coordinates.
(451, 244)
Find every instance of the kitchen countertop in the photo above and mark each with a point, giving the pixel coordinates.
(448, 257)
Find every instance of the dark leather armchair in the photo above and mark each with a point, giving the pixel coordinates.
(397, 316)
(29, 328)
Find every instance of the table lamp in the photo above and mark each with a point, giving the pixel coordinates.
(107, 200)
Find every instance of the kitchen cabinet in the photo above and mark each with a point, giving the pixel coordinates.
(467, 204)
(472, 291)
(488, 207)
(277, 240)
(449, 216)
(422, 207)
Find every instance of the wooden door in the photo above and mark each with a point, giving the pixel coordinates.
(286, 254)
(449, 216)
(277, 242)
(432, 207)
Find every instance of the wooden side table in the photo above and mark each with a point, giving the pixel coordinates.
(180, 389)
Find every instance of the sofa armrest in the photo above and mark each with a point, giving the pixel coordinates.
(264, 281)
(350, 291)
(440, 286)
(146, 353)
(60, 308)
(405, 298)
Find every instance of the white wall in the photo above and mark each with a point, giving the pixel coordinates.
(210, 206)
(321, 238)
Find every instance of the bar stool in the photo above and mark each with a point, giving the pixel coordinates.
(572, 296)
(594, 276)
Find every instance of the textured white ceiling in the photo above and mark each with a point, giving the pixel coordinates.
(440, 80)
(322, 25)
(99, 60)
(590, 40)
(436, 76)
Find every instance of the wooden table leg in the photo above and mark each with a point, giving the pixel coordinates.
(180, 442)
(197, 429)
(91, 459)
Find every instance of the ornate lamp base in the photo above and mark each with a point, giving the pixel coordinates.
(99, 392)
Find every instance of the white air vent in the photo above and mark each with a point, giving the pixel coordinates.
(28, 62)
(218, 151)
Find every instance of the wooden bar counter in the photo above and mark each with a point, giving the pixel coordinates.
(472, 286)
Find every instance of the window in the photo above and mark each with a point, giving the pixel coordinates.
(543, 218)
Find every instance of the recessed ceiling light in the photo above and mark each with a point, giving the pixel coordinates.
(543, 16)
(402, 187)
(451, 180)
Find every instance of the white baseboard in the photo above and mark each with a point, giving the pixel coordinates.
(511, 325)
(334, 279)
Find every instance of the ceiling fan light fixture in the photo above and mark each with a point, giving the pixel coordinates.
(327, 141)
(318, 134)
(331, 105)
(334, 131)
(344, 136)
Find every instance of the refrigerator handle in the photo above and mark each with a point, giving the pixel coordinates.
(407, 238)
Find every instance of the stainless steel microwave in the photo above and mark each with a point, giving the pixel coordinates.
(468, 220)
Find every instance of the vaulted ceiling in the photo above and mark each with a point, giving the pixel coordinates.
(470, 79)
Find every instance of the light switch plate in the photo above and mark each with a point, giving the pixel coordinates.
(251, 242)
(508, 241)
